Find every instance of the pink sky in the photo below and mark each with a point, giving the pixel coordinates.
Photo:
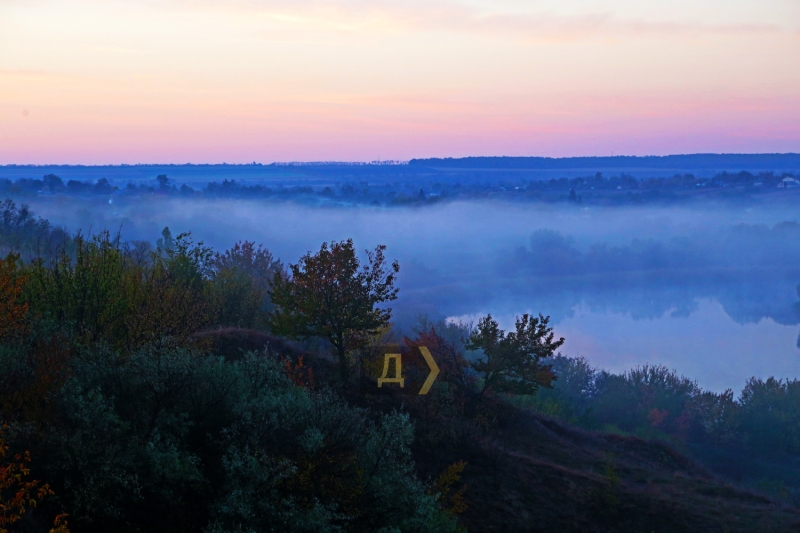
(123, 81)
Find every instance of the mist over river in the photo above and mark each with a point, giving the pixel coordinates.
(707, 290)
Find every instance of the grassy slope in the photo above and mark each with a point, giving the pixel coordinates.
(550, 477)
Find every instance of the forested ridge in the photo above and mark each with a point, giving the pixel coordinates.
(170, 387)
(413, 185)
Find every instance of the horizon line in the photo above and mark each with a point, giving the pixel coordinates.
(392, 162)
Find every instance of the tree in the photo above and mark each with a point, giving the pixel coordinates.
(648, 397)
(512, 362)
(453, 367)
(103, 186)
(769, 415)
(331, 295)
(27, 235)
(170, 301)
(18, 492)
(54, 182)
(240, 280)
(82, 292)
(12, 310)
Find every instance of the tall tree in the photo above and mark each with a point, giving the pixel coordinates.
(513, 362)
(331, 295)
(240, 280)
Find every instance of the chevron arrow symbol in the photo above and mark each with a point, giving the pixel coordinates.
(434, 370)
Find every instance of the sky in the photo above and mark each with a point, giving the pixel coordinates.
(177, 81)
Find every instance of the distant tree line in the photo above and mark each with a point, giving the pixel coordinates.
(744, 436)
(415, 190)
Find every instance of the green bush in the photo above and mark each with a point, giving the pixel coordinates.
(173, 440)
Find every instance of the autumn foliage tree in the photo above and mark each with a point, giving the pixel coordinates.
(440, 412)
(331, 295)
(452, 500)
(453, 366)
(18, 492)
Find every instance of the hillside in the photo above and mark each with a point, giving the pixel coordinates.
(534, 473)
(551, 477)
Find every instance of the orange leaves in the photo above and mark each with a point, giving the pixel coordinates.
(545, 376)
(17, 492)
(301, 375)
(12, 313)
(454, 503)
(60, 524)
(656, 417)
(451, 361)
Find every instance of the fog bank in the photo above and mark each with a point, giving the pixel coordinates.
(677, 286)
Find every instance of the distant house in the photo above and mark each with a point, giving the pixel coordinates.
(789, 182)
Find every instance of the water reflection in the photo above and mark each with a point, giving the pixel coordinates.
(706, 344)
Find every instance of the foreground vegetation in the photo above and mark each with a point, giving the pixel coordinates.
(175, 388)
